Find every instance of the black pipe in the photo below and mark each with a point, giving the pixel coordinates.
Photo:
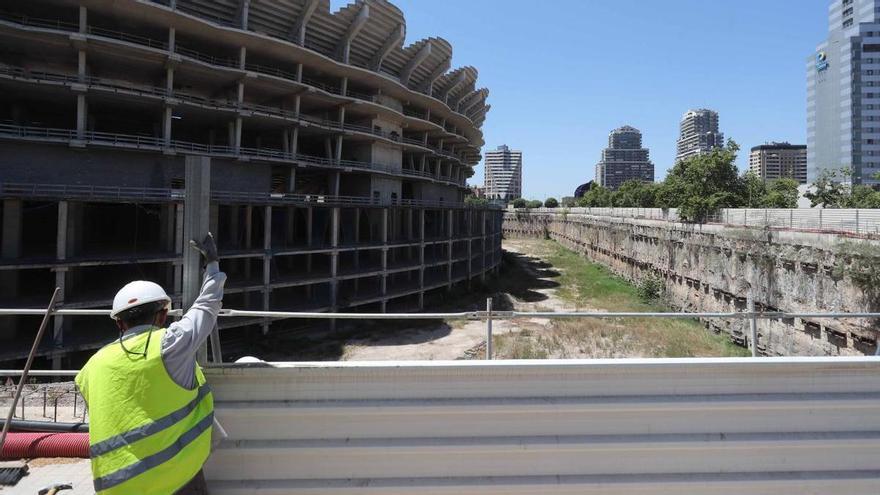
(47, 426)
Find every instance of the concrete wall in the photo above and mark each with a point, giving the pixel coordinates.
(781, 426)
(708, 268)
(40, 164)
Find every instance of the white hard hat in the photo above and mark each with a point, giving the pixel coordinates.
(135, 294)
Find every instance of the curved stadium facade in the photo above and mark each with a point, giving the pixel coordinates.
(339, 157)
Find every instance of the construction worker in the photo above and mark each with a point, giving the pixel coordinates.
(151, 412)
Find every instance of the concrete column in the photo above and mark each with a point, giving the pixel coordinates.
(166, 126)
(299, 72)
(169, 81)
(309, 226)
(383, 281)
(421, 259)
(470, 244)
(83, 20)
(334, 183)
(197, 207)
(243, 14)
(294, 142)
(328, 148)
(267, 262)
(178, 248)
(81, 66)
(242, 57)
(483, 244)
(450, 224)
(334, 258)
(60, 281)
(172, 39)
(343, 86)
(248, 243)
(81, 115)
(338, 155)
(236, 143)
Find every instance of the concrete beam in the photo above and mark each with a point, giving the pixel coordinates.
(393, 41)
(298, 32)
(343, 48)
(414, 63)
(427, 86)
(243, 13)
(444, 94)
(197, 206)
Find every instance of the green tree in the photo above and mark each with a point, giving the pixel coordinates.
(520, 203)
(829, 190)
(754, 190)
(551, 203)
(703, 184)
(781, 193)
(597, 196)
(635, 194)
(534, 203)
(475, 201)
(864, 197)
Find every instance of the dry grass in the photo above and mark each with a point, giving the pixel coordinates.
(589, 285)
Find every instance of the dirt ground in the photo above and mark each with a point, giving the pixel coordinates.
(526, 283)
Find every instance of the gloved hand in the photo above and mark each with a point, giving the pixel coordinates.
(208, 248)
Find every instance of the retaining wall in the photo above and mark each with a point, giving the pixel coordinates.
(711, 268)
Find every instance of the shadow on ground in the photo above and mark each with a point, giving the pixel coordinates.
(521, 278)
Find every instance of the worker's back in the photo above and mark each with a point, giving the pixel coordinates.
(148, 435)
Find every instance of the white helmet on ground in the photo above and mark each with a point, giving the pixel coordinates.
(136, 294)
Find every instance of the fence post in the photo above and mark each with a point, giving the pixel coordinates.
(857, 220)
(791, 219)
(489, 328)
(753, 326)
(820, 219)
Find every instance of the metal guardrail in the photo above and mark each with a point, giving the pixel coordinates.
(488, 316)
(854, 221)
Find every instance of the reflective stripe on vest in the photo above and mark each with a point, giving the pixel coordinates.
(148, 435)
(129, 472)
(148, 429)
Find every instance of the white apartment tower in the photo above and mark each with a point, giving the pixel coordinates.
(503, 174)
(699, 134)
(843, 93)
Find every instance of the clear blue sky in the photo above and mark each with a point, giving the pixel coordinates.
(563, 73)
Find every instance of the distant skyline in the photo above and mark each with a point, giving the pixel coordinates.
(562, 73)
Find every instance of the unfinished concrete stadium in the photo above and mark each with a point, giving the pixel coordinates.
(338, 158)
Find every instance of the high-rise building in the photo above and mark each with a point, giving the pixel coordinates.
(503, 174)
(773, 161)
(624, 159)
(699, 134)
(843, 93)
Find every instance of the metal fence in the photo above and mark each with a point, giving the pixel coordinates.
(853, 221)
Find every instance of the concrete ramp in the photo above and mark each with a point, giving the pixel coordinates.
(773, 426)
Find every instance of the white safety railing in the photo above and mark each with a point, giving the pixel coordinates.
(488, 316)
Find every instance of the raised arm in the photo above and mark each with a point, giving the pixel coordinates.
(184, 337)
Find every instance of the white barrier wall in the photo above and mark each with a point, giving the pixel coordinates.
(719, 426)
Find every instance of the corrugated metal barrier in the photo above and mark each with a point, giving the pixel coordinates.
(674, 426)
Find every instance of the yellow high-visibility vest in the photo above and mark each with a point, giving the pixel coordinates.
(147, 434)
